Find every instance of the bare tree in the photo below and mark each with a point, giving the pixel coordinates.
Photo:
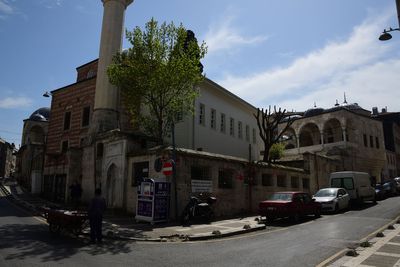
(268, 122)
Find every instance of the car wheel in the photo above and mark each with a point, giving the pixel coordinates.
(317, 213)
(336, 208)
(296, 217)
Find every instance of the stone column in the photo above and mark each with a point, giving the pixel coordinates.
(298, 142)
(322, 137)
(106, 105)
(344, 135)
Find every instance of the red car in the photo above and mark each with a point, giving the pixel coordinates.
(289, 204)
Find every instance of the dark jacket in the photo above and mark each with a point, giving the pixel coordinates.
(97, 206)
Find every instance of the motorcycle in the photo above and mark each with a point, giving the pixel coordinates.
(198, 210)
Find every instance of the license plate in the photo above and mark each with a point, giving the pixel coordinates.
(271, 208)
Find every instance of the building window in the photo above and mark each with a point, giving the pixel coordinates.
(232, 127)
(140, 170)
(213, 122)
(247, 133)
(365, 140)
(240, 130)
(377, 142)
(91, 73)
(202, 114)
(306, 183)
(64, 146)
(266, 179)
(294, 181)
(223, 127)
(281, 180)
(85, 116)
(254, 136)
(225, 178)
(67, 120)
(371, 141)
(200, 173)
(99, 150)
(179, 116)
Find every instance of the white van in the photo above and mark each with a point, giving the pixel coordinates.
(358, 184)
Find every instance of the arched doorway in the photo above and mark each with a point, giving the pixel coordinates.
(110, 185)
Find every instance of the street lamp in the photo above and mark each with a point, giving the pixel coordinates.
(47, 94)
(385, 34)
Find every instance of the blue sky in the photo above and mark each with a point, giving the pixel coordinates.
(289, 53)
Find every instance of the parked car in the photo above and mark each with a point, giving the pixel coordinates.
(390, 187)
(397, 182)
(289, 204)
(380, 192)
(357, 184)
(332, 199)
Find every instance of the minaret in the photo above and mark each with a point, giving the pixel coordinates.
(106, 103)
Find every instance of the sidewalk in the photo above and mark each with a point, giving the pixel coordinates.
(376, 251)
(124, 227)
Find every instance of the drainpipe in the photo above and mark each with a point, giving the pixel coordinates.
(174, 169)
(316, 170)
(250, 181)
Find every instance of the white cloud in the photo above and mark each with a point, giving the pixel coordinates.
(5, 7)
(51, 3)
(223, 36)
(356, 65)
(15, 102)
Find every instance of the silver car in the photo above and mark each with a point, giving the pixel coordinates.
(333, 199)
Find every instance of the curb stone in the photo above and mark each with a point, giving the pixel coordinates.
(341, 254)
(225, 233)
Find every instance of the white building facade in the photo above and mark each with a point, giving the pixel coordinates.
(222, 123)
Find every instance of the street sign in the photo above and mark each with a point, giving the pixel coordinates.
(167, 168)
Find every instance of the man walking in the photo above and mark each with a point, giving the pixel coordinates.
(97, 207)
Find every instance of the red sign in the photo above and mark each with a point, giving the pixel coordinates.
(167, 168)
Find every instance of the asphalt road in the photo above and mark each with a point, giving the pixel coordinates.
(25, 241)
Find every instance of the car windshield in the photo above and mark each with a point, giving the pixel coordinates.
(326, 193)
(386, 186)
(281, 196)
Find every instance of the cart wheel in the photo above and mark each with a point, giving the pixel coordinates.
(54, 228)
(76, 231)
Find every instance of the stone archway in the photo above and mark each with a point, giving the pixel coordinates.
(111, 185)
(332, 131)
(309, 135)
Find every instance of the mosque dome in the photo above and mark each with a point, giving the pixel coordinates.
(291, 117)
(313, 111)
(42, 114)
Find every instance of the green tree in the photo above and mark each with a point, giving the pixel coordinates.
(158, 75)
(276, 151)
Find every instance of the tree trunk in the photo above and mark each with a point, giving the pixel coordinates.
(266, 154)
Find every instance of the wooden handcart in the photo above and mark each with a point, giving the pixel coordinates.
(66, 221)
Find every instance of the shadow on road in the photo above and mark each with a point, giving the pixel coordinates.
(21, 242)
(362, 206)
(286, 222)
(6, 211)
